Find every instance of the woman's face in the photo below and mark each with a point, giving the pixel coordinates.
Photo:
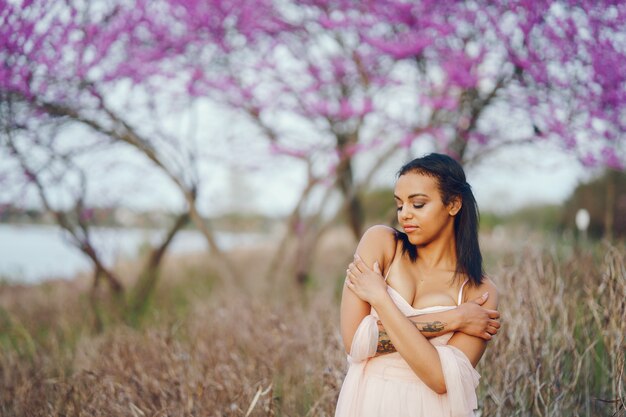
(421, 212)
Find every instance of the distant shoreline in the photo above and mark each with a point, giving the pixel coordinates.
(33, 253)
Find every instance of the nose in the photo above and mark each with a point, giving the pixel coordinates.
(404, 212)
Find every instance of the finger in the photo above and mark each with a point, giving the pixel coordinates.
(377, 268)
(350, 274)
(492, 330)
(349, 283)
(481, 300)
(353, 269)
(494, 323)
(361, 266)
(493, 314)
(486, 336)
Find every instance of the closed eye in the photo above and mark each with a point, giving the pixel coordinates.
(417, 206)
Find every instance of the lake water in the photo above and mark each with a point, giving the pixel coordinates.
(33, 253)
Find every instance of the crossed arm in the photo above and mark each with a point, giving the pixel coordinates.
(427, 328)
(412, 345)
(469, 318)
(409, 335)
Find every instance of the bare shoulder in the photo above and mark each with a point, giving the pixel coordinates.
(486, 286)
(380, 231)
(381, 236)
(378, 243)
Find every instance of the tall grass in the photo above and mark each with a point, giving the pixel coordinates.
(562, 348)
(210, 349)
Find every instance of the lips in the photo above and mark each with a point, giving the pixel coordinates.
(408, 228)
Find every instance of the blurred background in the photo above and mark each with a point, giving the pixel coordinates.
(183, 182)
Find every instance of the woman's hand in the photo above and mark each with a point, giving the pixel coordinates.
(478, 321)
(368, 284)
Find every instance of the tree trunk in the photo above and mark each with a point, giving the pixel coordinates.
(292, 226)
(226, 269)
(149, 276)
(89, 250)
(95, 302)
(353, 206)
(304, 259)
(609, 205)
(305, 252)
(458, 147)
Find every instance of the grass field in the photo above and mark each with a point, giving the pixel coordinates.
(207, 348)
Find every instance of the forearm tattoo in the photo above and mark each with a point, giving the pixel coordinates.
(384, 343)
(431, 327)
(386, 346)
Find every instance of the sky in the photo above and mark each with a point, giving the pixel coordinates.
(540, 173)
(503, 182)
(530, 175)
(514, 177)
(508, 180)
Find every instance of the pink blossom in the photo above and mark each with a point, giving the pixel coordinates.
(407, 140)
(558, 67)
(367, 107)
(402, 48)
(588, 160)
(611, 159)
(87, 214)
(321, 108)
(479, 138)
(569, 142)
(460, 71)
(345, 109)
(440, 102)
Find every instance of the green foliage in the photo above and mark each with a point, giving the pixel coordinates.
(540, 218)
(378, 206)
(489, 220)
(15, 336)
(178, 296)
(595, 196)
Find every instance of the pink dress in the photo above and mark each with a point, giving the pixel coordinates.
(387, 386)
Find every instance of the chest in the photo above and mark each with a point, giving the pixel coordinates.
(420, 290)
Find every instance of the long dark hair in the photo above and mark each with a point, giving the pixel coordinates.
(451, 180)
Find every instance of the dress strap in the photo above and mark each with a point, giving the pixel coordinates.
(461, 293)
(388, 269)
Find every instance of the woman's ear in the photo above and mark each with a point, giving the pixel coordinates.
(455, 206)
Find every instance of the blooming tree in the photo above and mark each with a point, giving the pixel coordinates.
(331, 83)
(104, 67)
(326, 81)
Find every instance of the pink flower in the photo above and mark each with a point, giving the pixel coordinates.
(611, 159)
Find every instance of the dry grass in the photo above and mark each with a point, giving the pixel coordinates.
(215, 350)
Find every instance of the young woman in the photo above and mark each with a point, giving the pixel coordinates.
(412, 337)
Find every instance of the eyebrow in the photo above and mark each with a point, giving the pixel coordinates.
(411, 196)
